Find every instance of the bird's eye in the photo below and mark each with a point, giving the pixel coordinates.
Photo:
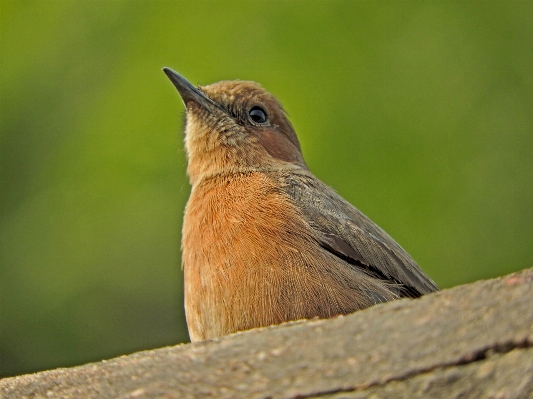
(258, 115)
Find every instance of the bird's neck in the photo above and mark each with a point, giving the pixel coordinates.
(231, 173)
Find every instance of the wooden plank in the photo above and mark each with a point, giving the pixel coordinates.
(468, 337)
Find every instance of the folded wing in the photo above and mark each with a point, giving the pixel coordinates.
(348, 234)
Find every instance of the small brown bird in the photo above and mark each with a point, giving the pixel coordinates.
(264, 241)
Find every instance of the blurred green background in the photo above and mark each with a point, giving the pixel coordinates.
(419, 113)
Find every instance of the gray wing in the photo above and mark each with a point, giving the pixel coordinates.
(347, 233)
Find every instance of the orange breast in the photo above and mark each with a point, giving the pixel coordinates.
(251, 260)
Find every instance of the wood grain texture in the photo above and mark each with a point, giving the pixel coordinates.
(471, 341)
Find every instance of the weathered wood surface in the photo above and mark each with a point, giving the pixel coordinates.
(473, 341)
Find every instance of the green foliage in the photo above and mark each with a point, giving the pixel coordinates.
(420, 114)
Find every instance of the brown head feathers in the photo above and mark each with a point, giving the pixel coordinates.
(233, 126)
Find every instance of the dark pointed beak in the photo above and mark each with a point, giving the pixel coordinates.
(187, 91)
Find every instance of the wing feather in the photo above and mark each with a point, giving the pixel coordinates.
(346, 232)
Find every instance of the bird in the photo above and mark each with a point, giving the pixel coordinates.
(264, 241)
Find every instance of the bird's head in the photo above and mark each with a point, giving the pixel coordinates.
(234, 127)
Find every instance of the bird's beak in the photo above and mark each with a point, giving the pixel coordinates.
(187, 91)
